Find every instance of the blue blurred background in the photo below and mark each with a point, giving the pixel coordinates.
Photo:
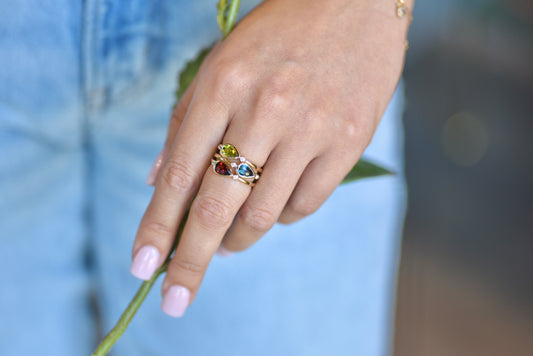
(466, 276)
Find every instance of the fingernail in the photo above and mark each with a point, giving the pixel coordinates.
(175, 301)
(152, 175)
(223, 252)
(145, 262)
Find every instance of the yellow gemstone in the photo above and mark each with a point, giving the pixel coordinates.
(229, 151)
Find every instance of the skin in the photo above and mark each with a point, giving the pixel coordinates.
(299, 87)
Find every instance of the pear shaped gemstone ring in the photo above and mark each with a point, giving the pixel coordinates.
(227, 162)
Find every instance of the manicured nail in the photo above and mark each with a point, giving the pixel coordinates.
(175, 301)
(150, 180)
(223, 252)
(145, 262)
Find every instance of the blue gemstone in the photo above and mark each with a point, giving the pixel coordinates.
(245, 171)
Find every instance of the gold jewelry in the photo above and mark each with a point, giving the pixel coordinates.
(402, 10)
(227, 162)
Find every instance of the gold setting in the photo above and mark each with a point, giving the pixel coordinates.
(235, 166)
(402, 10)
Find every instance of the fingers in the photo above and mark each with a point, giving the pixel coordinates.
(176, 183)
(267, 199)
(211, 214)
(176, 118)
(317, 183)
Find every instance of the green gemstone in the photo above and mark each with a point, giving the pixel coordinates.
(229, 151)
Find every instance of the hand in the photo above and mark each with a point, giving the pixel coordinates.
(299, 88)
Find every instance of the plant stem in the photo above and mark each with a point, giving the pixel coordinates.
(128, 314)
(231, 18)
(227, 23)
(138, 299)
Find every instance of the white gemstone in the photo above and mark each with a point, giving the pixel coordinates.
(401, 11)
(234, 164)
(235, 177)
(242, 159)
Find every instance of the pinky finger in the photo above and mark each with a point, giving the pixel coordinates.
(317, 183)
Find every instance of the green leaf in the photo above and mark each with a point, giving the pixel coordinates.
(365, 169)
(188, 72)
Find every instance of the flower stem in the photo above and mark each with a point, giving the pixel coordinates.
(138, 299)
(227, 15)
(232, 18)
(128, 314)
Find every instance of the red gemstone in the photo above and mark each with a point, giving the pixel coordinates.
(222, 169)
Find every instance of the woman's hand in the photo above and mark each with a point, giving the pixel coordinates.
(299, 88)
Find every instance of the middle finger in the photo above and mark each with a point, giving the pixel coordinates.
(212, 212)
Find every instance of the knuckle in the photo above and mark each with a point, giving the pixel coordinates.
(211, 212)
(258, 219)
(360, 131)
(275, 96)
(350, 130)
(275, 102)
(304, 206)
(189, 266)
(229, 77)
(158, 228)
(178, 176)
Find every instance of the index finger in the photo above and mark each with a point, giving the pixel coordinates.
(176, 184)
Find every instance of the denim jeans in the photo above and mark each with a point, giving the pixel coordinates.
(86, 90)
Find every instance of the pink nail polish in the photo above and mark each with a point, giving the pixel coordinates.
(145, 262)
(150, 180)
(223, 252)
(175, 301)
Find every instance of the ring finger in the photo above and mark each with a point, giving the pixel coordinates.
(211, 214)
(267, 200)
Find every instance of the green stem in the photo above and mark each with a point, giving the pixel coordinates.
(227, 23)
(125, 319)
(231, 18)
(226, 19)
(128, 314)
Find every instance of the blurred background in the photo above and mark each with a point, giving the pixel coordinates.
(466, 274)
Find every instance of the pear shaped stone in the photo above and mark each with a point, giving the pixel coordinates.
(245, 171)
(222, 169)
(229, 151)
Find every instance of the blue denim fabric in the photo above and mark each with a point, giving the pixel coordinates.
(85, 95)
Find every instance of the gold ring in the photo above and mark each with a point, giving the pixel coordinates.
(227, 162)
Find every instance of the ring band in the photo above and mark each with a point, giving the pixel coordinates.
(227, 162)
